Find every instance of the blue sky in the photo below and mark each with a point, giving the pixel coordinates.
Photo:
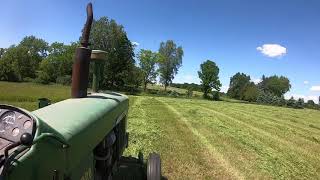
(255, 37)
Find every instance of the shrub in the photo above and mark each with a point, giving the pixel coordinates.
(268, 98)
(291, 102)
(215, 96)
(300, 103)
(174, 94)
(28, 79)
(189, 93)
(64, 80)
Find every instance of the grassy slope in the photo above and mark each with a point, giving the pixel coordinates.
(200, 139)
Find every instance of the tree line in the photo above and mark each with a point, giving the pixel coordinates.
(270, 90)
(34, 59)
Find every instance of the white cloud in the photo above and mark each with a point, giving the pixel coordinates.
(256, 80)
(305, 97)
(224, 89)
(306, 82)
(135, 43)
(315, 88)
(272, 50)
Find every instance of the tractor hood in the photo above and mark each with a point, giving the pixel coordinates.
(82, 122)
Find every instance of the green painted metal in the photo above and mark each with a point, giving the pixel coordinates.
(43, 102)
(96, 75)
(67, 132)
(98, 57)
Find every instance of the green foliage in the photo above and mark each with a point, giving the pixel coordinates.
(192, 86)
(251, 93)
(215, 95)
(147, 62)
(269, 98)
(291, 102)
(16, 64)
(189, 93)
(275, 85)
(47, 72)
(134, 80)
(311, 105)
(174, 94)
(64, 80)
(2, 51)
(7, 72)
(300, 103)
(37, 48)
(57, 64)
(238, 85)
(107, 35)
(209, 75)
(170, 60)
(311, 102)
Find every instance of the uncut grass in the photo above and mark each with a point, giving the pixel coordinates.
(153, 128)
(31, 92)
(279, 160)
(26, 95)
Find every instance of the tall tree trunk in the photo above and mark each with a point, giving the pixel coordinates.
(145, 86)
(165, 87)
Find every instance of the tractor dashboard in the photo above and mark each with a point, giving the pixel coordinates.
(13, 123)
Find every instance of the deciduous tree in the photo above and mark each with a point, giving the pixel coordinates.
(275, 85)
(251, 92)
(169, 62)
(147, 62)
(107, 35)
(37, 49)
(209, 75)
(238, 84)
(17, 64)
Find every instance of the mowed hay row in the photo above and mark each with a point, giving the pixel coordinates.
(200, 139)
(153, 127)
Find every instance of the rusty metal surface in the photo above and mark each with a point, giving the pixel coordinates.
(80, 71)
(87, 26)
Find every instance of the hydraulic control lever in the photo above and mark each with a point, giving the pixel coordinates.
(25, 139)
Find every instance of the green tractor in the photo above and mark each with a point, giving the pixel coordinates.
(80, 138)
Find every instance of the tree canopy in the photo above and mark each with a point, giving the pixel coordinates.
(58, 63)
(238, 85)
(170, 60)
(107, 35)
(275, 85)
(147, 62)
(209, 75)
(37, 49)
(16, 64)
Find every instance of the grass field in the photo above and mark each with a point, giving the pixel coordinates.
(200, 139)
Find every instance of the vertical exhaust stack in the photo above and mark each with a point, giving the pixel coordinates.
(80, 71)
